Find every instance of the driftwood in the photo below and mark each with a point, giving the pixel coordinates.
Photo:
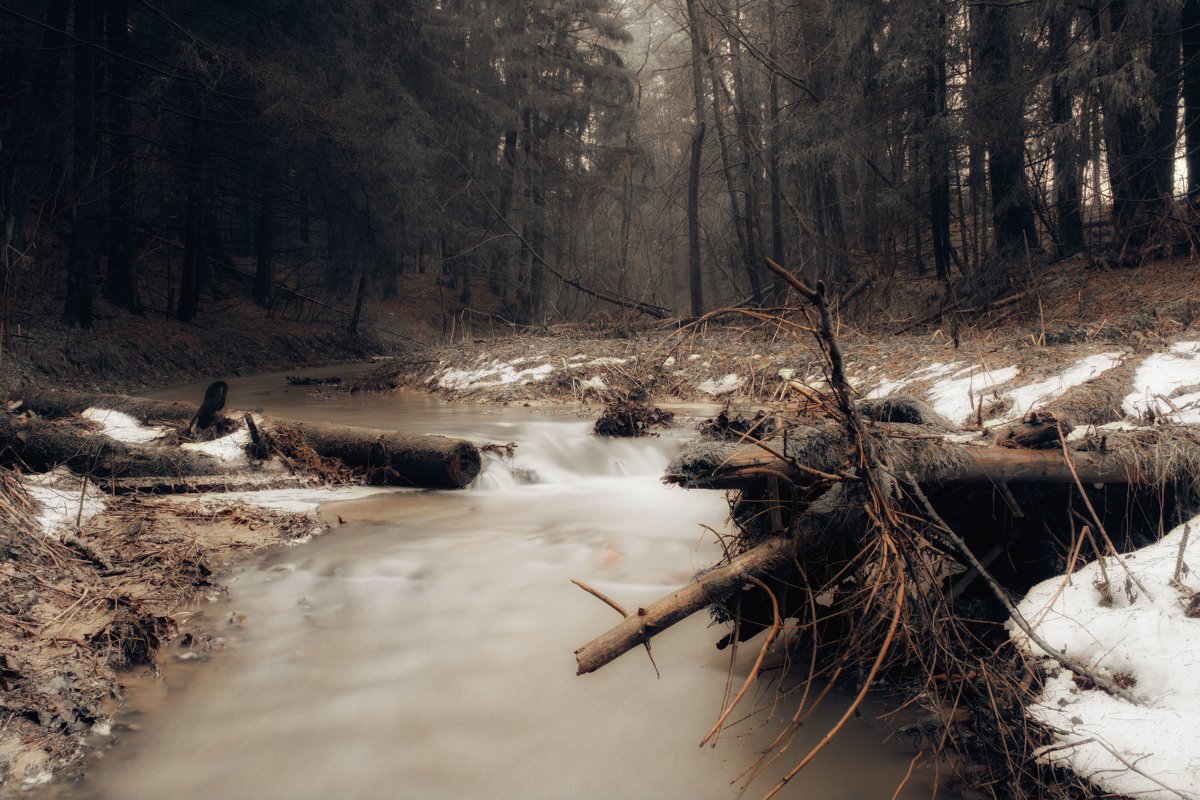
(832, 512)
(388, 457)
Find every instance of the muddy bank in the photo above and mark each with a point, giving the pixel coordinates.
(96, 586)
(99, 569)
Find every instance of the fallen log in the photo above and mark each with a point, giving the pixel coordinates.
(389, 457)
(832, 513)
(735, 467)
(41, 445)
(198, 484)
(392, 457)
(56, 405)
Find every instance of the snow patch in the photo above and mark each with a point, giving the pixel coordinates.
(122, 427)
(292, 501)
(890, 386)
(1026, 398)
(228, 449)
(63, 500)
(956, 397)
(1152, 642)
(1162, 375)
(595, 382)
(715, 388)
(494, 374)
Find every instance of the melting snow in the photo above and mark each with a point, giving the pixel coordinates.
(1161, 375)
(494, 374)
(122, 427)
(1033, 395)
(595, 382)
(724, 386)
(1152, 641)
(294, 501)
(228, 449)
(956, 397)
(61, 495)
(935, 370)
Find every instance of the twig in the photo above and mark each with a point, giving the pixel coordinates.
(620, 609)
(862, 693)
(1177, 579)
(1067, 661)
(1096, 517)
(776, 624)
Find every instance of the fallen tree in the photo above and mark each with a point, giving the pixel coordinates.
(385, 457)
(898, 549)
(41, 445)
(931, 459)
(831, 513)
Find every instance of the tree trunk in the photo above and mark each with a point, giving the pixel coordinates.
(736, 467)
(938, 151)
(1067, 177)
(82, 256)
(1190, 24)
(1141, 148)
(749, 140)
(193, 250)
(735, 205)
(695, 274)
(359, 299)
(777, 245)
(121, 282)
(264, 240)
(1000, 112)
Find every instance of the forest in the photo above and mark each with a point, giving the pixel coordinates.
(547, 160)
(912, 283)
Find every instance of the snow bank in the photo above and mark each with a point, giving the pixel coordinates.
(956, 396)
(122, 427)
(63, 499)
(1148, 642)
(1172, 376)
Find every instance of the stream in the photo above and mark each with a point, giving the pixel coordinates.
(424, 648)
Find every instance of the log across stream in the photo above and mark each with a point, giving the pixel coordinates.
(424, 649)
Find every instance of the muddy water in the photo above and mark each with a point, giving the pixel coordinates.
(424, 649)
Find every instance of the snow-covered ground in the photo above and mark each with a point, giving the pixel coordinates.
(1148, 641)
(122, 427)
(1168, 385)
(65, 500)
(1165, 386)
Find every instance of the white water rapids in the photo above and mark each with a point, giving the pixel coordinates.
(425, 648)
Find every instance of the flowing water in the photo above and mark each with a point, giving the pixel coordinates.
(424, 649)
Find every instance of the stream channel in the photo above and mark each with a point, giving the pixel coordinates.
(424, 648)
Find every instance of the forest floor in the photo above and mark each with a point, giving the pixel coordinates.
(81, 595)
(1073, 317)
